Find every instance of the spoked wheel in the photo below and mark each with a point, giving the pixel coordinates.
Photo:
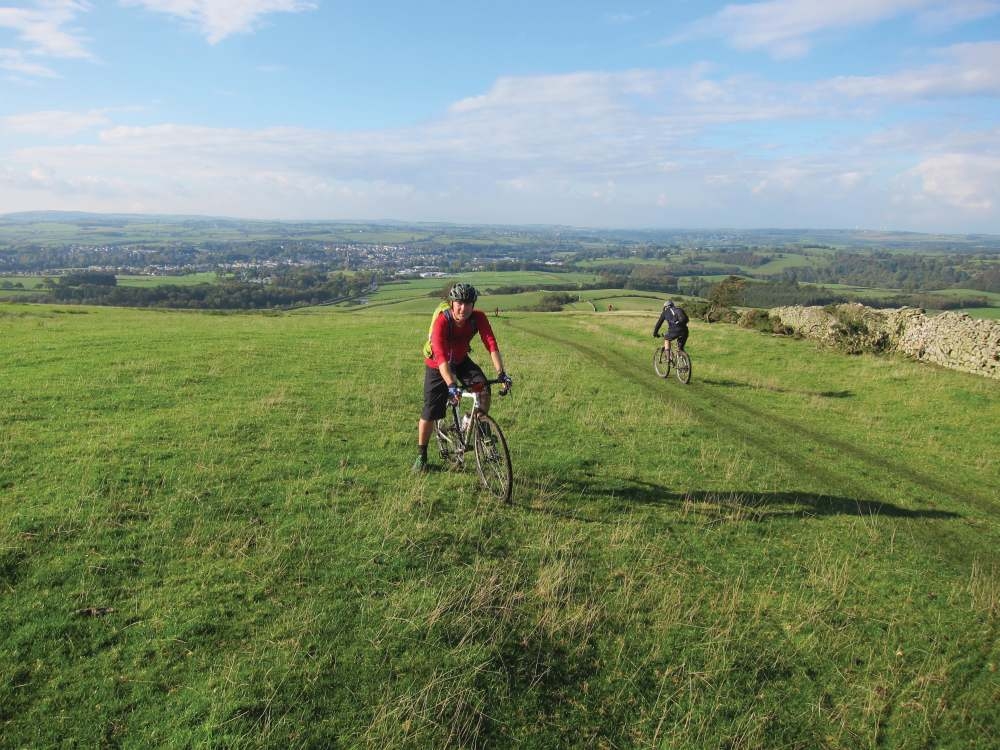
(683, 364)
(661, 362)
(448, 443)
(493, 459)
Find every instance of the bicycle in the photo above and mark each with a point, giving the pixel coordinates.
(665, 357)
(474, 430)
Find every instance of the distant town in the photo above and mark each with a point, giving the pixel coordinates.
(79, 257)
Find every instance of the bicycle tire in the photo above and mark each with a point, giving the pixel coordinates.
(493, 459)
(683, 366)
(661, 362)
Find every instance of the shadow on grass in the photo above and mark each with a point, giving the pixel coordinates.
(780, 436)
(727, 383)
(734, 503)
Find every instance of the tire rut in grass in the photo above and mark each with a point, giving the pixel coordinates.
(921, 480)
(771, 434)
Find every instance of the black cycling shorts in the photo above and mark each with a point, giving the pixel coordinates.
(436, 391)
(680, 336)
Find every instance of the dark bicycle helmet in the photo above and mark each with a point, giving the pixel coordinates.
(463, 293)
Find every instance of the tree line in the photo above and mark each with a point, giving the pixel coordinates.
(291, 289)
(897, 271)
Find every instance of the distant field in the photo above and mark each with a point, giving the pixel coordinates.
(883, 293)
(776, 266)
(152, 281)
(858, 291)
(35, 282)
(112, 230)
(14, 294)
(416, 294)
(626, 300)
(28, 282)
(29, 285)
(786, 261)
(985, 313)
(606, 262)
(993, 297)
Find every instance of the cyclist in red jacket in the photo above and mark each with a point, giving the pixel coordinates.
(449, 364)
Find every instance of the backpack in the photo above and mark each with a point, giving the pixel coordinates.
(444, 309)
(678, 318)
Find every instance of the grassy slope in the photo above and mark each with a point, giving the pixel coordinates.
(798, 546)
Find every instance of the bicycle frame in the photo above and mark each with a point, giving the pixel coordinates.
(475, 431)
(457, 417)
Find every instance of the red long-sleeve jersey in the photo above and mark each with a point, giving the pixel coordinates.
(450, 340)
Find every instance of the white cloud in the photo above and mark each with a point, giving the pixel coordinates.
(45, 27)
(783, 178)
(14, 61)
(850, 180)
(218, 19)
(957, 12)
(786, 28)
(970, 182)
(43, 30)
(53, 124)
(968, 69)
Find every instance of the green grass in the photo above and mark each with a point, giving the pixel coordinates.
(415, 295)
(209, 537)
(986, 313)
(993, 298)
(188, 279)
(788, 261)
(629, 261)
(14, 294)
(30, 284)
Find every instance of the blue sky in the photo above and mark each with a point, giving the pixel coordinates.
(875, 114)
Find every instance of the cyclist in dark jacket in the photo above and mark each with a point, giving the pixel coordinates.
(677, 324)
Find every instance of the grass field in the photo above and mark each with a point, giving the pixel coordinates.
(153, 281)
(209, 537)
(418, 295)
(29, 285)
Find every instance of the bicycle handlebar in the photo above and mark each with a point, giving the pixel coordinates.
(478, 387)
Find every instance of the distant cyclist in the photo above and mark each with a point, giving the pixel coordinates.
(449, 364)
(677, 324)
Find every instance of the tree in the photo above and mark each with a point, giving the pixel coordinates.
(727, 293)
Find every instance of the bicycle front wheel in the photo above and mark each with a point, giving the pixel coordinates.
(683, 364)
(661, 362)
(493, 459)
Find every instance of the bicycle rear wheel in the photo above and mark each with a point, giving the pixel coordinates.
(661, 362)
(493, 459)
(683, 366)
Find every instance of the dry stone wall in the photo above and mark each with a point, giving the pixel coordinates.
(951, 339)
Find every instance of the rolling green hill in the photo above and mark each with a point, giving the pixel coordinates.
(210, 537)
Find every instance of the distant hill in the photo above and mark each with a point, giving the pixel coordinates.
(73, 217)
(47, 227)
